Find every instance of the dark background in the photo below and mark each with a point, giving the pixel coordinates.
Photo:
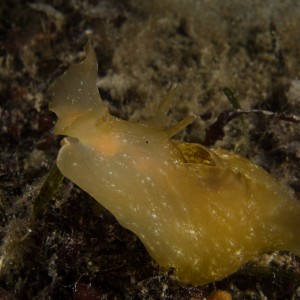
(76, 251)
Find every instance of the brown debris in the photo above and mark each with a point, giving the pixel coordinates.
(143, 47)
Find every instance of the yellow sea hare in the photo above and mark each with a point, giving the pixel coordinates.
(201, 211)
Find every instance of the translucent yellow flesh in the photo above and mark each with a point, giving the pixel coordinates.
(203, 212)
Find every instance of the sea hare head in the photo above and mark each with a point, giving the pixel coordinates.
(203, 212)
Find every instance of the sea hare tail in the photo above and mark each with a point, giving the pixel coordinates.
(288, 226)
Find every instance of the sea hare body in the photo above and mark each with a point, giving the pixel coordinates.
(203, 212)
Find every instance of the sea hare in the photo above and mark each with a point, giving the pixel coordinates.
(204, 212)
